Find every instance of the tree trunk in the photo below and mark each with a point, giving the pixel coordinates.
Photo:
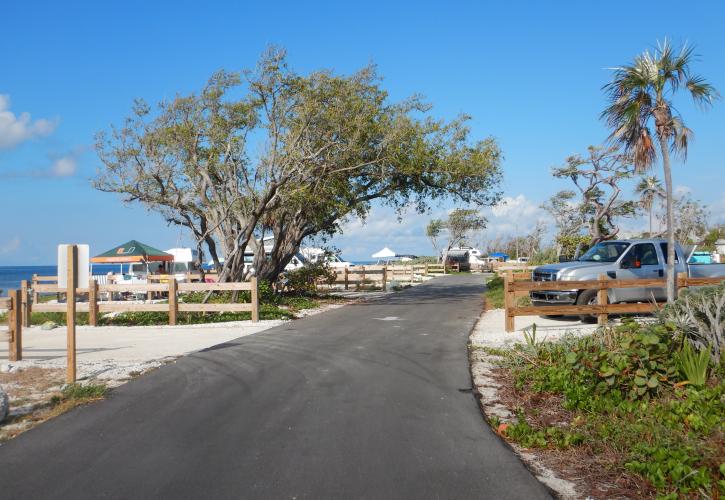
(670, 271)
(650, 219)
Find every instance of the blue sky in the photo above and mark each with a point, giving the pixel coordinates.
(530, 74)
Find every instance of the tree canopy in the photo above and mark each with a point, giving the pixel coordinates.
(272, 152)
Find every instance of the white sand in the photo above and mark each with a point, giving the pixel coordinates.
(114, 353)
(490, 330)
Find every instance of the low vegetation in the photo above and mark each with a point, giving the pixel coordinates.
(495, 296)
(638, 401)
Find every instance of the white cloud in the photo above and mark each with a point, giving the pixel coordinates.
(16, 129)
(10, 246)
(514, 216)
(64, 166)
(518, 207)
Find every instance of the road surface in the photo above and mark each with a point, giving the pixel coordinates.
(367, 401)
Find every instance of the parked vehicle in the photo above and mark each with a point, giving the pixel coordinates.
(618, 259)
(460, 257)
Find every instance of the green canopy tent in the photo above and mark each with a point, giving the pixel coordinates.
(132, 251)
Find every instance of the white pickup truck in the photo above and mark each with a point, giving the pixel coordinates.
(619, 259)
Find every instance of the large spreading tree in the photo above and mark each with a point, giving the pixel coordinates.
(640, 96)
(272, 152)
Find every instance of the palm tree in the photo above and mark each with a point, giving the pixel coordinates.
(641, 93)
(648, 189)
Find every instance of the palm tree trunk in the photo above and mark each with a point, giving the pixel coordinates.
(650, 218)
(670, 272)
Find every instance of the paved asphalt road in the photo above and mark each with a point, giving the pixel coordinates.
(365, 401)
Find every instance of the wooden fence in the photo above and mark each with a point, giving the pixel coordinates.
(20, 303)
(517, 284)
(380, 276)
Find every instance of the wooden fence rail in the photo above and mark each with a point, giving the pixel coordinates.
(515, 284)
(376, 275)
(21, 303)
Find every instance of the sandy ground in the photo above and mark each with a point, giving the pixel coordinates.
(489, 333)
(490, 329)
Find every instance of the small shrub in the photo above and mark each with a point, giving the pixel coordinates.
(699, 316)
(306, 278)
(693, 364)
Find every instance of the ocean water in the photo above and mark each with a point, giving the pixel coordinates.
(11, 276)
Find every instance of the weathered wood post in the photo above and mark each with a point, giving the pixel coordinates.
(26, 304)
(385, 278)
(603, 300)
(173, 301)
(347, 278)
(15, 326)
(36, 295)
(254, 298)
(681, 282)
(412, 274)
(70, 318)
(361, 279)
(426, 269)
(509, 301)
(93, 302)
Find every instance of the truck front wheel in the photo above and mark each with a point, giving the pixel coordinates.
(587, 298)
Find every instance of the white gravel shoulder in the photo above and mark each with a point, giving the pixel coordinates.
(490, 330)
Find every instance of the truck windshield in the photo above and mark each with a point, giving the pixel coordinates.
(607, 251)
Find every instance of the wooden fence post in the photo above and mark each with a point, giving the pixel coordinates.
(15, 327)
(412, 274)
(361, 281)
(173, 301)
(426, 269)
(603, 300)
(347, 278)
(255, 299)
(36, 295)
(509, 301)
(70, 316)
(680, 282)
(93, 302)
(385, 278)
(26, 304)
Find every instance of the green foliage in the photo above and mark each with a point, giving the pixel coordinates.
(494, 293)
(626, 391)
(495, 296)
(693, 364)
(306, 278)
(335, 144)
(544, 256)
(424, 259)
(635, 363)
(698, 316)
(87, 391)
(570, 243)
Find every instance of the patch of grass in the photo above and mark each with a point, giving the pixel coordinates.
(619, 394)
(495, 294)
(84, 392)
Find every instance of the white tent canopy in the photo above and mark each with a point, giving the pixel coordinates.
(385, 253)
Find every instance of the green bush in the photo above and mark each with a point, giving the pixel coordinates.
(626, 391)
(306, 278)
(698, 316)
